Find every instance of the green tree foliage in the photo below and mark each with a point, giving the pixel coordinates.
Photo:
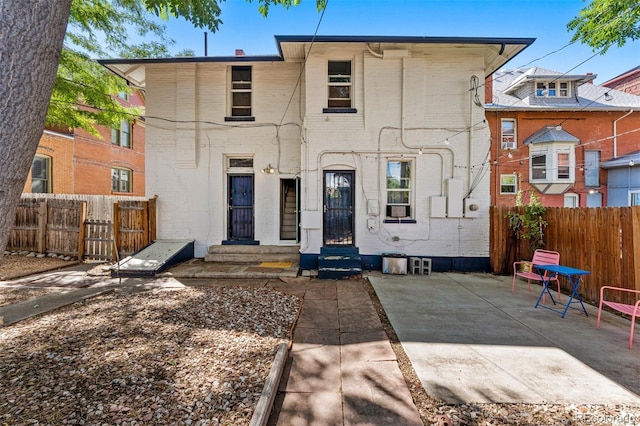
(605, 23)
(105, 28)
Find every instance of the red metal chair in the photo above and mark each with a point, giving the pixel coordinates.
(632, 310)
(540, 257)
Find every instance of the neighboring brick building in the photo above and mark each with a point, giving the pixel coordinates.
(550, 132)
(80, 163)
(628, 82)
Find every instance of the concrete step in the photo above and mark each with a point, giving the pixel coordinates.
(253, 254)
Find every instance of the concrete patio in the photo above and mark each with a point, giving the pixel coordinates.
(470, 340)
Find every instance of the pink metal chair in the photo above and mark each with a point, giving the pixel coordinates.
(632, 310)
(540, 257)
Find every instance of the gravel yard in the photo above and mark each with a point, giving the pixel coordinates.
(194, 356)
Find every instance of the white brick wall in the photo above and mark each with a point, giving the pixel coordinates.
(186, 164)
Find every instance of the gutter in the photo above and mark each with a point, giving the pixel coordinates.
(615, 133)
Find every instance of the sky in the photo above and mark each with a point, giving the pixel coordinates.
(545, 20)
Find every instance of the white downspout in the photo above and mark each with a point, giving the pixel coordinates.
(615, 133)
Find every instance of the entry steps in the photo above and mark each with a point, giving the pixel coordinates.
(339, 262)
(154, 258)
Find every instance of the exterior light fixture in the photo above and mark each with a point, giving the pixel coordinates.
(420, 151)
(446, 141)
(510, 155)
(631, 163)
(608, 97)
(269, 170)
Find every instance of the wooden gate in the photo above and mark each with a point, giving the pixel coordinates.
(134, 225)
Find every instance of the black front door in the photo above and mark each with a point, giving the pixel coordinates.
(338, 207)
(240, 206)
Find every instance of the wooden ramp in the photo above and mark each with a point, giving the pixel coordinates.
(154, 258)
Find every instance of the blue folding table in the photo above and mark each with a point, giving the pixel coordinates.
(574, 276)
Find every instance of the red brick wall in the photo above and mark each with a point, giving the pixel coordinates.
(82, 164)
(627, 83)
(594, 129)
(60, 149)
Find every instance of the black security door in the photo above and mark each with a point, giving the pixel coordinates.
(338, 207)
(240, 205)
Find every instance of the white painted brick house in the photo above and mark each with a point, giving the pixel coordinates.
(374, 142)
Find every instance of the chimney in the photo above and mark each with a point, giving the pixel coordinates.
(590, 81)
(239, 52)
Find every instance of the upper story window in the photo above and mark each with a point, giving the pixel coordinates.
(41, 174)
(122, 135)
(121, 180)
(339, 85)
(508, 184)
(399, 189)
(555, 164)
(553, 89)
(508, 133)
(240, 93)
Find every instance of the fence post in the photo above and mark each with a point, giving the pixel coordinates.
(116, 224)
(635, 221)
(81, 230)
(152, 218)
(42, 227)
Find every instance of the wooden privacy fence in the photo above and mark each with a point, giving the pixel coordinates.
(604, 241)
(60, 226)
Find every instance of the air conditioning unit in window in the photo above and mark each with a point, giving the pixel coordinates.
(398, 211)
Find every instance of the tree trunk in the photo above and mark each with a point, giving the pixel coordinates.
(31, 35)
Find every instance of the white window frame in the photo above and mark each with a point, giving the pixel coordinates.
(46, 179)
(339, 80)
(121, 179)
(508, 141)
(553, 89)
(399, 209)
(634, 198)
(122, 136)
(239, 87)
(571, 200)
(551, 168)
(514, 184)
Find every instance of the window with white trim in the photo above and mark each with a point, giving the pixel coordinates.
(555, 164)
(122, 135)
(399, 189)
(508, 133)
(121, 180)
(508, 184)
(571, 200)
(339, 85)
(41, 174)
(634, 198)
(553, 89)
(241, 91)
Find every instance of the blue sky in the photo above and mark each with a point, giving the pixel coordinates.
(244, 28)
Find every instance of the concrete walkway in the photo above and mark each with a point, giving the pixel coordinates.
(471, 341)
(342, 369)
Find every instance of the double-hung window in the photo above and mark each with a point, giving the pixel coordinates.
(122, 135)
(41, 174)
(508, 133)
(508, 184)
(399, 189)
(121, 180)
(339, 85)
(539, 167)
(241, 91)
